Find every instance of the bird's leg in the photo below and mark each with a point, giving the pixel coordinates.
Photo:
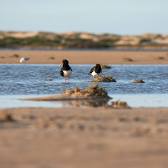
(66, 80)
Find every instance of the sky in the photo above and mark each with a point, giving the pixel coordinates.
(95, 16)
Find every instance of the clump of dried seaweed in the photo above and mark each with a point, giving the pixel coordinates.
(119, 104)
(104, 66)
(88, 92)
(104, 79)
(138, 81)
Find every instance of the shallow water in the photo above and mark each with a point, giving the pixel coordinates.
(19, 101)
(29, 79)
(136, 100)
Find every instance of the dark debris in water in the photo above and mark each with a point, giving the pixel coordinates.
(138, 81)
(104, 66)
(104, 79)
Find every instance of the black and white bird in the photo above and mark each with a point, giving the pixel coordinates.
(66, 70)
(96, 70)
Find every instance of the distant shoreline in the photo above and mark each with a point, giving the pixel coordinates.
(85, 50)
(82, 40)
(84, 56)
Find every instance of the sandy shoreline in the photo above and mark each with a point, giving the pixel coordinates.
(84, 57)
(83, 137)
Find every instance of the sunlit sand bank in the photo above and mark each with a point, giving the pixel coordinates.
(84, 57)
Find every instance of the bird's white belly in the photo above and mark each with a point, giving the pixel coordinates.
(94, 74)
(67, 73)
(22, 60)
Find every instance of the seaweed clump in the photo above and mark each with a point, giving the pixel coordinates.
(119, 104)
(104, 66)
(88, 92)
(138, 81)
(104, 79)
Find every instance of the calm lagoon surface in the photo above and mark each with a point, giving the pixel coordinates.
(26, 80)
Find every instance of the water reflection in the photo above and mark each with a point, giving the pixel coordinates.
(139, 100)
(86, 103)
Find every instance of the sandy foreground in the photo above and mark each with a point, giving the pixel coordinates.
(84, 57)
(83, 137)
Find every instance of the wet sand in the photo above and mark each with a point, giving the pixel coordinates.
(83, 137)
(84, 57)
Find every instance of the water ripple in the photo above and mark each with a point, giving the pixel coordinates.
(45, 79)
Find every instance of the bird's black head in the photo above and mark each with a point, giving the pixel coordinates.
(65, 62)
(98, 66)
